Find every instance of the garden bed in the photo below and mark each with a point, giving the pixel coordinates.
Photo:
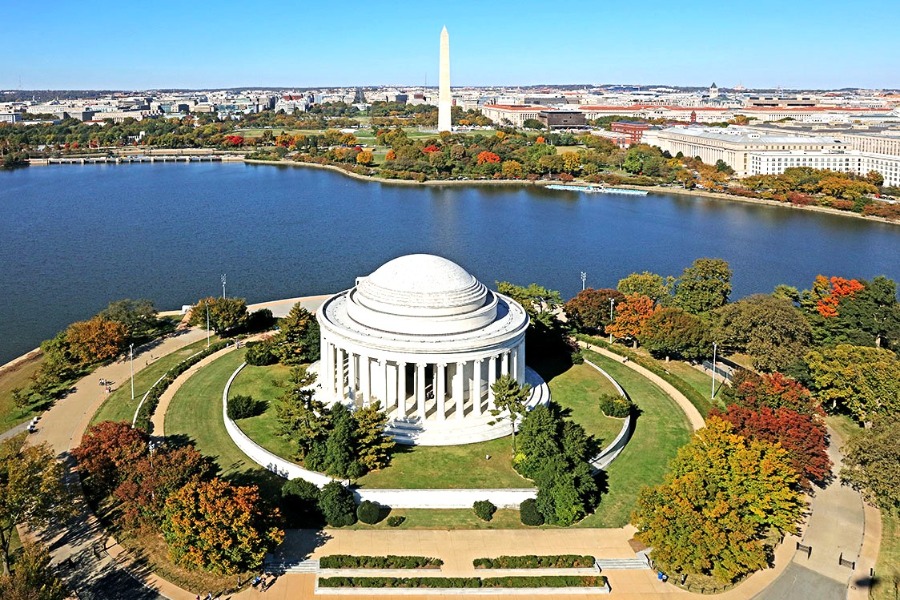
(346, 561)
(534, 561)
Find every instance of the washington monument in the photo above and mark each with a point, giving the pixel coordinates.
(445, 100)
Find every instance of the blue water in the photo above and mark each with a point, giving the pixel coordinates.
(73, 238)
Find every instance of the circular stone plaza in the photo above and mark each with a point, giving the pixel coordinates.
(427, 340)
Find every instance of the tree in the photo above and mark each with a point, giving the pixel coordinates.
(512, 169)
(32, 492)
(106, 451)
(337, 505)
(509, 398)
(869, 317)
(648, 284)
(720, 499)
(298, 340)
(301, 417)
(861, 380)
(590, 309)
(224, 313)
(365, 158)
(219, 527)
(139, 317)
(674, 332)
(373, 445)
(340, 458)
(96, 339)
(631, 315)
(33, 577)
(532, 124)
(540, 303)
(703, 286)
(774, 390)
(802, 435)
(771, 330)
(872, 462)
(147, 484)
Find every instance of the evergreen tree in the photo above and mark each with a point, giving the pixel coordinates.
(373, 445)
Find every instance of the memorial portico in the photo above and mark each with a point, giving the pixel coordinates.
(427, 340)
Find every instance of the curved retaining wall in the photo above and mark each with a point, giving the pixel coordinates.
(424, 498)
(503, 498)
(609, 454)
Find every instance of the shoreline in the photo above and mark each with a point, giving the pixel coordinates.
(658, 189)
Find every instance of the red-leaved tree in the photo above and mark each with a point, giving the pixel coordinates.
(106, 451)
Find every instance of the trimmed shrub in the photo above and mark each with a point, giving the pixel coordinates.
(259, 354)
(391, 561)
(484, 509)
(516, 581)
(368, 512)
(395, 521)
(616, 406)
(242, 407)
(529, 513)
(534, 561)
(337, 505)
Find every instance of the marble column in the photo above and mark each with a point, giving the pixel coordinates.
(520, 363)
(475, 392)
(324, 373)
(492, 378)
(401, 389)
(458, 376)
(441, 392)
(351, 362)
(365, 379)
(420, 390)
(384, 384)
(504, 363)
(339, 388)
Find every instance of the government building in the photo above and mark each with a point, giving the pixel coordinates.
(427, 340)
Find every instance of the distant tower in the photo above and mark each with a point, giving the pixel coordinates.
(713, 91)
(445, 100)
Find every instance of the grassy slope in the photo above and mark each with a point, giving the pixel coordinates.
(16, 377)
(577, 390)
(119, 406)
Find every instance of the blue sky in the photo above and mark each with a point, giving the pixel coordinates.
(794, 44)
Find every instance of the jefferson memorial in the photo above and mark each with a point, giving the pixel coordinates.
(428, 340)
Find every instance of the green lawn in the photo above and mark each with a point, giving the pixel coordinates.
(447, 518)
(661, 429)
(887, 568)
(700, 381)
(453, 467)
(196, 413)
(16, 377)
(262, 383)
(577, 390)
(119, 406)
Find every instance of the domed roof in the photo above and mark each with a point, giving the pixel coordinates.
(420, 274)
(421, 293)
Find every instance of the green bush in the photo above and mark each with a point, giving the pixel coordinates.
(260, 354)
(260, 320)
(391, 561)
(395, 521)
(529, 513)
(534, 561)
(337, 505)
(484, 509)
(368, 512)
(300, 502)
(243, 407)
(614, 405)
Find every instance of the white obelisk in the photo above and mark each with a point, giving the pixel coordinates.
(445, 100)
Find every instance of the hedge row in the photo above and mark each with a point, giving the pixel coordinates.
(533, 561)
(153, 396)
(345, 561)
(696, 398)
(548, 581)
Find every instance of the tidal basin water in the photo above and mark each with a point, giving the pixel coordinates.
(73, 238)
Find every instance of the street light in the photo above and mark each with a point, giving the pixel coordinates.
(611, 301)
(131, 352)
(583, 279)
(223, 286)
(207, 325)
(712, 394)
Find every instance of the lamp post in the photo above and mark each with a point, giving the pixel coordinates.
(712, 394)
(223, 286)
(207, 325)
(583, 280)
(131, 353)
(611, 301)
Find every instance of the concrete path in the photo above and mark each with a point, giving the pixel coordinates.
(14, 431)
(280, 308)
(693, 415)
(81, 544)
(835, 528)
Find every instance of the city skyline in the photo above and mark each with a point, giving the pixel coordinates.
(118, 46)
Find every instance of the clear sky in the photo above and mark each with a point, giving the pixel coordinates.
(204, 44)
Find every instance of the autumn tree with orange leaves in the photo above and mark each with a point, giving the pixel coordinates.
(219, 527)
(631, 315)
(106, 451)
(96, 339)
(487, 157)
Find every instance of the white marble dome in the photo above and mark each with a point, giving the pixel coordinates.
(426, 339)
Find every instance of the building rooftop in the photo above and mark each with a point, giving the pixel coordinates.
(740, 135)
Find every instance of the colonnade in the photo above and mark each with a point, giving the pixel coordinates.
(416, 388)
